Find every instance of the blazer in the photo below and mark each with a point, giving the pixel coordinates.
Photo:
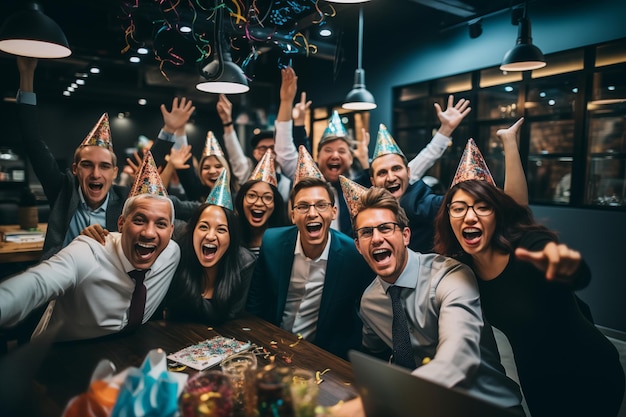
(60, 187)
(347, 275)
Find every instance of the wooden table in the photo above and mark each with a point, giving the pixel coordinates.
(20, 252)
(67, 368)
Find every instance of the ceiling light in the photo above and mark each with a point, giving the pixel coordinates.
(475, 28)
(71, 89)
(31, 33)
(347, 1)
(326, 32)
(74, 85)
(359, 98)
(142, 51)
(142, 101)
(80, 82)
(94, 70)
(67, 93)
(222, 75)
(524, 56)
(185, 29)
(134, 59)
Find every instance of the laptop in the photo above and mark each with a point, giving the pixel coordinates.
(391, 391)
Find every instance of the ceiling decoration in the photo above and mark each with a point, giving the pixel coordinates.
(180, 33)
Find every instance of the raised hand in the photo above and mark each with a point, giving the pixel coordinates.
(179, 157)
(558, 261)
(177, 118)
(299, 110)
(514, 178)
(510, 133)
(288, 85)
(453, 115)
(361, 153)
(224, 109)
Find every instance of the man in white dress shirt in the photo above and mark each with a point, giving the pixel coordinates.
(90, 283)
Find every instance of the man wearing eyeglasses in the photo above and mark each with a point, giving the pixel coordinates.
(309, 278)
(438, 302)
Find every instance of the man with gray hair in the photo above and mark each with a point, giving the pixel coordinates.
(103, 289)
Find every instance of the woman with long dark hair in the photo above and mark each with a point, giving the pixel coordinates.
(213, 276)
(566, 366)
(259, 204)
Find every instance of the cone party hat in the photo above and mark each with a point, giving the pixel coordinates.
(335, 127)
(472, 166)
(352, 192)
(100, 135)
(212, 146)
(306, 167)
(148, 180)
(220, 194)
(385, 144)
(265, 170)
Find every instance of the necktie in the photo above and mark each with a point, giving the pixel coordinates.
(138, 300)
(402, 351)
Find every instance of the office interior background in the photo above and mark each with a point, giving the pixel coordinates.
(415, 52)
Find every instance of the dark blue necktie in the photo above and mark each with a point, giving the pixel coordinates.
(402, 350)
(138, 300)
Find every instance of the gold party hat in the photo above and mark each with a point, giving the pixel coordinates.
(265, 170)
(385, 144)
(220, 194)
(306, 166)
(212, 146)
(352, 192)
(148, 180)
(100, 135)
(472, 166)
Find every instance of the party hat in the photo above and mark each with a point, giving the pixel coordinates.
(265, 170)
(385, 144)
(472, 166)
(335, 127)
(212, 146)
(220, 194)
(148, 180)
(335, 130)
(100, 135)
(352, 192)
(306, 166)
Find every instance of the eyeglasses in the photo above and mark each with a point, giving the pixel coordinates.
(320, 207)
(264, 148)
(459, 209)
(252, 198)
(384, 229)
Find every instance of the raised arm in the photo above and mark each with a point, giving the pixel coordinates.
(240, 165)
(514, 179)
(286, 152)
(299, 118)
(450, 120)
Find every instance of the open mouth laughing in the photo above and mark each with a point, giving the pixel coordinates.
(144, 250)
(380, 255)
(472, 235)
(393, 188)
(314, 228)
(209, 250)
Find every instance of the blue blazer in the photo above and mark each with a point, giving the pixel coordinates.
(347, 275)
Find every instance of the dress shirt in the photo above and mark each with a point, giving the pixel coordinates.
(445, 324)
(305, 292)
(85, 216)
(91, 286)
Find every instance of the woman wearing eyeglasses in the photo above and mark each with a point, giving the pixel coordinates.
(260, 206)
(527, 281)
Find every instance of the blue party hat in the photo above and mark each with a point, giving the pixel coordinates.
(385, 144)
(220, 194)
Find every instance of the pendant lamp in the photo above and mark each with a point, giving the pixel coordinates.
(359, 98)
(524, 55)
(29, 32)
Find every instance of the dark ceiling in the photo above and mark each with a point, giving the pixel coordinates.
(108, 32)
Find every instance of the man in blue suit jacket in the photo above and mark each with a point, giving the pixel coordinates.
(309, 278)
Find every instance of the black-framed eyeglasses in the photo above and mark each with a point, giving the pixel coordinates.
(384, 229)
(320, 206)
(252, 198)
(459, 209)
(263, 148)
